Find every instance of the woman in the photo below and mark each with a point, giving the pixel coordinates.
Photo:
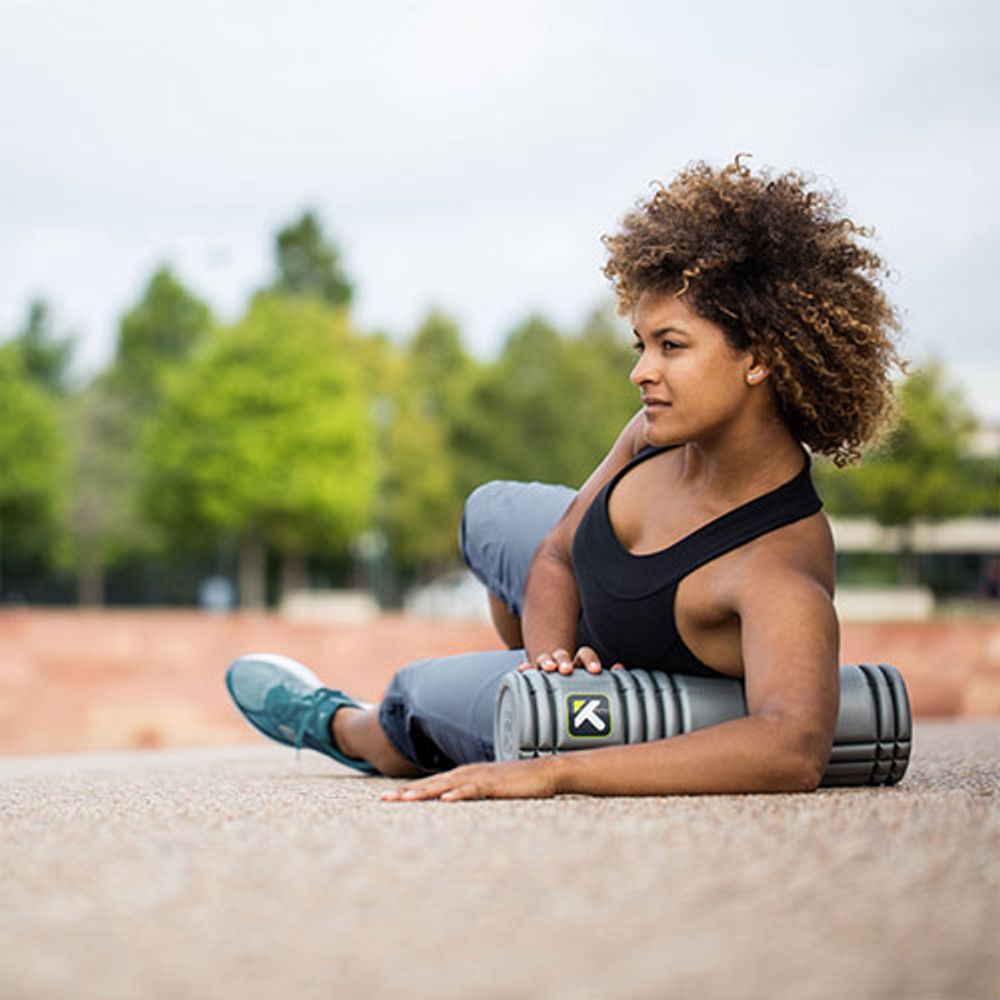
(697, 545)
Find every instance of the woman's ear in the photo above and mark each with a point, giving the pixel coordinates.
(757, 374)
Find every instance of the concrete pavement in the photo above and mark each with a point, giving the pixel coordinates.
(237, 872)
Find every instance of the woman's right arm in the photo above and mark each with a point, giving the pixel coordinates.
(551, 597)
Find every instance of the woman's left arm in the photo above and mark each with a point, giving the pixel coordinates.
(790, 645)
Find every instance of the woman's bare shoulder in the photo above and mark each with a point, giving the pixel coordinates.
(803, 549)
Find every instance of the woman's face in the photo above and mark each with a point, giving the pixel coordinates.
(693, 383)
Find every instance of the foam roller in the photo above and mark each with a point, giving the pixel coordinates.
(541, 713)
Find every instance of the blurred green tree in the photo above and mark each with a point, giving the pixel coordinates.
(423, 505)
(440, 365)
(265, 437)
(919, 471)
(431, 391)
(31, 457)
(604, 356)
(923, 470)
(44, 355)
(155, 336)
(104, 522)
(417, 498)
(549, 408)
(308, 263)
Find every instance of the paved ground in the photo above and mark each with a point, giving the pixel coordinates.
(237, 872)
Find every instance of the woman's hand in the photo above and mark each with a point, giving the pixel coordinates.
(513, 779)
(560, 660)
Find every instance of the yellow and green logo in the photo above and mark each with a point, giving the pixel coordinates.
(588, 715)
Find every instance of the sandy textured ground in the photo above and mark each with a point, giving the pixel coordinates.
(237, 872)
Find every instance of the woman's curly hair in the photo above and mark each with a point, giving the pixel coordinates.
(780, 270)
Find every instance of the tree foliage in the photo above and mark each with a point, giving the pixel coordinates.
(155, 336)
(288, 433)
(308, 263)
(265, 436)
(439, 364)
(102, 519)
(103, 522)
(44, 355)
(922, 470)
(548, 409)
(417, 499)
(31, 457)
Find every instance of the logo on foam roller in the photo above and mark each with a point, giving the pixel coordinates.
(588, 715)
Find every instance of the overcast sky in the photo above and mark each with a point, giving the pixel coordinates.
(470, 154)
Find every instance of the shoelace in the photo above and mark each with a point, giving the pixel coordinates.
(317, 700)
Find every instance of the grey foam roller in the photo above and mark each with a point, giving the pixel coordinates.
(542, 722)
(539, 713)
(633, 715)
(672, 722)
(651, 705)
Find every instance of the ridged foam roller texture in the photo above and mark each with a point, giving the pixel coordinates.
(539, 713)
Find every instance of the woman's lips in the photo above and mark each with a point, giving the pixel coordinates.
(655, 405)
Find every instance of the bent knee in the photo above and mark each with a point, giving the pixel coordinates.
(481, 528)
(502, 525)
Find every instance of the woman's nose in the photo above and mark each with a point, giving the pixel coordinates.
(642, 371)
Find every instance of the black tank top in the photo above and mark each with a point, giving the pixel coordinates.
(627, 601)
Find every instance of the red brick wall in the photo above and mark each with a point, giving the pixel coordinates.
(88, 680)
(83, 680)
(950, 667)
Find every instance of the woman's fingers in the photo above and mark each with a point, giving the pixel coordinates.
(588, 659)
(517, 779)
(448, 787)
(426, 788)
(466, 779)
(560, 660)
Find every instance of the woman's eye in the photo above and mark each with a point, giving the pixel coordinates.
(637, 347)
(669, 345)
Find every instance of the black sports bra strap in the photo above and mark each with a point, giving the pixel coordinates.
(783, 505)
(790, 502)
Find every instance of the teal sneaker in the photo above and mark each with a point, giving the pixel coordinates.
(287, 703)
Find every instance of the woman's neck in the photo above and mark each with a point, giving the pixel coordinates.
(735, 467)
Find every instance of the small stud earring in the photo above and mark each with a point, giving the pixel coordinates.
(756, 375)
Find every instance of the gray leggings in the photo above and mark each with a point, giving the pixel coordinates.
(438, 713)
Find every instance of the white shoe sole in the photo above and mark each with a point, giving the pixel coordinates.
(299, 670)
